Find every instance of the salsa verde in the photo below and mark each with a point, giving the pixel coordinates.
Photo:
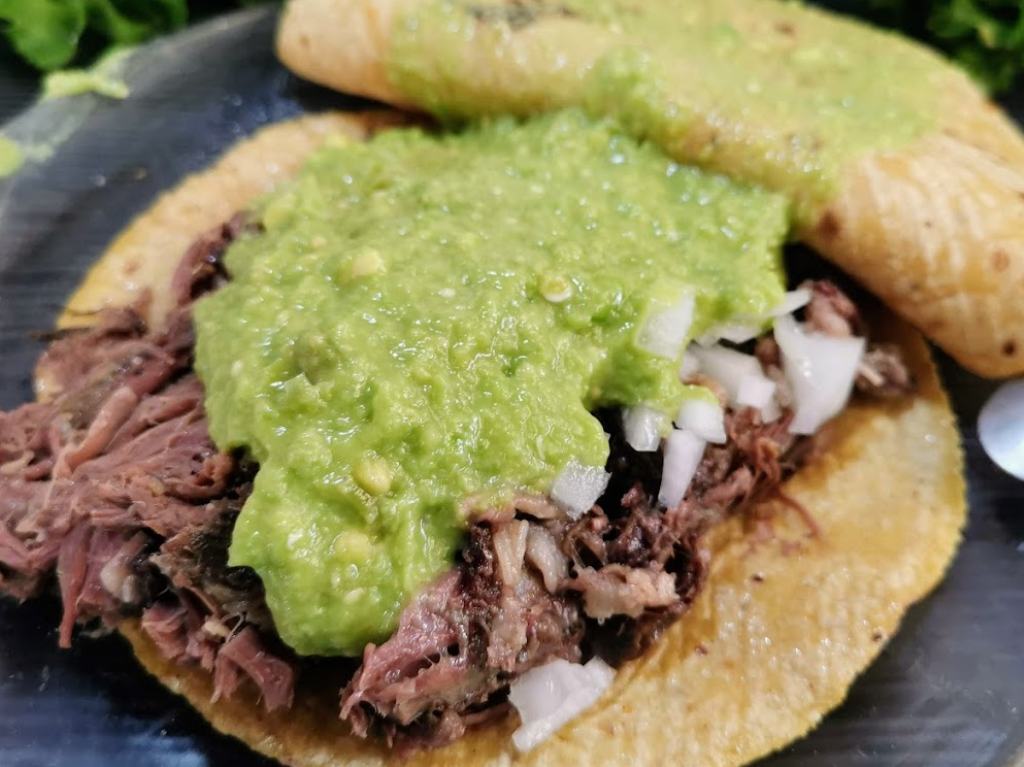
(771, 92)
(423, 327)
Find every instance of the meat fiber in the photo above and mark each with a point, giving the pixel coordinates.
(113, 483)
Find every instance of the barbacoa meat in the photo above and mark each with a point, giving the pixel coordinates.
(111, 486)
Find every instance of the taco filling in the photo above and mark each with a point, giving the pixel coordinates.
(444, 410)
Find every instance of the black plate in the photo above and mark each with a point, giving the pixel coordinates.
(948, 690)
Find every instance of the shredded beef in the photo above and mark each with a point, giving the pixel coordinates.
(830, 311)
(883, 373)
(201, 269)
(111, 483)
(461, 641)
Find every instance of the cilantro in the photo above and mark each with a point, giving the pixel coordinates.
(985, 36)
(47, 33)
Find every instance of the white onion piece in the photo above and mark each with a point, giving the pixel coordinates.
(704, 418)
(548, 696)
(736, 332)
(665, 331)
(683, 451)
(727, 367)
(689, 365)
(578, 487)
(642, 426)
(758, 391)
(755, 391)
(793, 300)
(820, 369)
(1001, 428)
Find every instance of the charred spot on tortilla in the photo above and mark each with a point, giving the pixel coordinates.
(518, 15)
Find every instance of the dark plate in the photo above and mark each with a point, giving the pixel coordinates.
(948, 690)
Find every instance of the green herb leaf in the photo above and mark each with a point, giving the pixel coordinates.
(44, 32)
(985, 36)
(47, 33)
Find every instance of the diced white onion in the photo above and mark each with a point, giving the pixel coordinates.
(549, 696)
(736, 332)
(683, 451)
(704, 418)
(755, 391)
(727, 367)
(689, 366)
(578, 487)
(758, 391)
(642, 426)
(665, 331)
(793, 300)
(820, 370)
(743, 328)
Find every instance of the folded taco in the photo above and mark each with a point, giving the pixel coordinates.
(453, 447)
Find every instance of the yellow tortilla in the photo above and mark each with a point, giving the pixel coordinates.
(936, 230)
(772, 644)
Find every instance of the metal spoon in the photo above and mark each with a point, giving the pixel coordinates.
(1001, 428)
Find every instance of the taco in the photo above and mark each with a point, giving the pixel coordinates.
(901, 170)
(519, 414)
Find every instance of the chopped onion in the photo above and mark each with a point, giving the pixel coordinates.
(665, 331)
(793, 300)
(704, 418)
(727, 367)
(683, 451)
(755, 391)
(1001, 428)
(689, 366)
(820, 369)
(758, 391)
(548, 696)
(578, 487)
(735, 332)
(642, 426)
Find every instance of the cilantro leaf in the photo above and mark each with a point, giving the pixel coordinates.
(47, 33)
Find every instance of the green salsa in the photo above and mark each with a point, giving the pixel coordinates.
(104, 78)
(11, 157)
(423, 328)
(770, 92)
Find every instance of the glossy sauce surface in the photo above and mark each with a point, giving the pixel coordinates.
(423, 328)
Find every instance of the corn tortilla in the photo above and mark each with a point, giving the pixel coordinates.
(784, 625)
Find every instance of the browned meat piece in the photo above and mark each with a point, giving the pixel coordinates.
(461, 641)
(621, 590)
(201, 270)
(244, 652)
(115, 483)
(884, 373)
(830, 311)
